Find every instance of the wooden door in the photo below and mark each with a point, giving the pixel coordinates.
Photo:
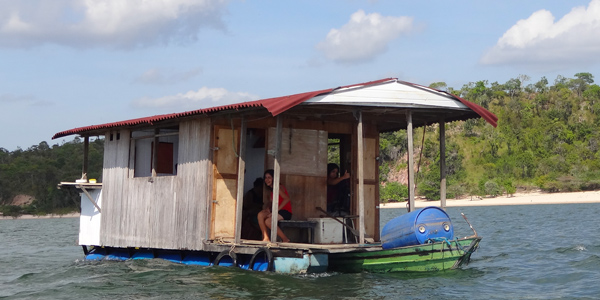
(225, 168)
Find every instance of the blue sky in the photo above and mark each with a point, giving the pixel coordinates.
(72, 63)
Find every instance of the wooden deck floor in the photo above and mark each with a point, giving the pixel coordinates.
(250, 246)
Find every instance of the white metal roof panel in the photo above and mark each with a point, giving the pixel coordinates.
(390, 94)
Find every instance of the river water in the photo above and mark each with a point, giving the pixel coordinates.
(527, 252)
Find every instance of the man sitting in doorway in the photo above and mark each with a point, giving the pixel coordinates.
(253, 203)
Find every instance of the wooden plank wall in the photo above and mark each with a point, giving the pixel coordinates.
(114, 174)
(162, 212)
(194, 170)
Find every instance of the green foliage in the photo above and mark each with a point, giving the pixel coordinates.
(11, 211)
(37, 170)
(509, 187)
(393, 191)
(491, 188)
(333, 152)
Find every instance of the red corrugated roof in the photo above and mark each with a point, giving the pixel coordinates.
(275, 106)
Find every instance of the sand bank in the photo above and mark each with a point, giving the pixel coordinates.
(50, 216)
(516, 199)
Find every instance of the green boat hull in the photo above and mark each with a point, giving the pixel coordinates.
(420, 258)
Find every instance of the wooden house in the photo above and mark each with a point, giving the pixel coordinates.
(176, 181)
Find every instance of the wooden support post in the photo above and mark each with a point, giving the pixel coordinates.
(240, 182)
(86, 150)
(155, 152)
(276, 178)
(443, 163)
(361, 177)
(411, 169)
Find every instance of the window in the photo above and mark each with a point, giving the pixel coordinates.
(165, 143)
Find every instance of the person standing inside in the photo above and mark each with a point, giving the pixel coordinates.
(335, 190)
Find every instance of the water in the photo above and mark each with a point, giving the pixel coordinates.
(527, 252)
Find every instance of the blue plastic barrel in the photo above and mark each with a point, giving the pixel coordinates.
(198, 259)
(143, 254)
(117, 254)
(172, 256)
(416, 228)
(96, 254)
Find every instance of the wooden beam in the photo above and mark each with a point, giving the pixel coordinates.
(240, 182)
(90, 197)
(361, 176)
(155, 152)
(411, 169)
(276, 178)
(443, 163)
(86, 151)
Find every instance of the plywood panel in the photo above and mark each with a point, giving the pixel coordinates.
(224, 208)
(370, 159)
(226, 141)
(371, 211)
(306, 193)
(225, 182)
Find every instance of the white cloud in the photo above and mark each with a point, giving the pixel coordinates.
(156, 76)
(107, 23)
(202, 98)
(363, 37)
(575, 38)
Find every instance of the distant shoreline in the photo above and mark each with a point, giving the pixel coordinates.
(516, 199)
(49, 216)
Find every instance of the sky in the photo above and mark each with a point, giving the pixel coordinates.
(71, 63)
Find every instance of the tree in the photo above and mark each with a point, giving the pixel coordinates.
(513, 87)
(580, 84)
(592, 96)
(37, 170)
(442, 86)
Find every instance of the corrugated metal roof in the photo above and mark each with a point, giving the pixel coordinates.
(275, 106)
(484, 113)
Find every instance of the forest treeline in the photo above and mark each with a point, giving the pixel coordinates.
(38, 170)
(548, 137)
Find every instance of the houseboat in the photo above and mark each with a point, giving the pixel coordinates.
(173, 185)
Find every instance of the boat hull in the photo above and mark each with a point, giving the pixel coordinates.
(419, 258)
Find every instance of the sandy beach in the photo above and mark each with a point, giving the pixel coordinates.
(516, 199)
(50, 216)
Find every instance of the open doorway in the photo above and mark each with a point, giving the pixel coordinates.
(253, 184)
(339, 157)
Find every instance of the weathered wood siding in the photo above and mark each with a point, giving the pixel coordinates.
(194, 170)
(158, 212)
(114, 174)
